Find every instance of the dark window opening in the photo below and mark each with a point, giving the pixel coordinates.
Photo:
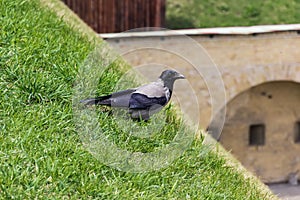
(297, 133)
(257, 135)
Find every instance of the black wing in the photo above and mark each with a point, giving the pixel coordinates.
(121, 98)
(141, 101)
(117, 99)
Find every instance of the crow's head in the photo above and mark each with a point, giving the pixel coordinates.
(169, 77)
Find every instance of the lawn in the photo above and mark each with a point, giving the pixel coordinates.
(43, 154)
(215, 13)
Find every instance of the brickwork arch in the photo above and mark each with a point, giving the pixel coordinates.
(237, 81)
(271, 150)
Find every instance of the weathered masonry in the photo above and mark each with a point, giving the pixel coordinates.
(260, 68)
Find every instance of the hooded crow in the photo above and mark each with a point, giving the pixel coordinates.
(142, 101)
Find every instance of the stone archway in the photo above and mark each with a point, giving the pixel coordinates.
(262, 129)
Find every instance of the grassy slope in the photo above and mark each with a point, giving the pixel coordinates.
(41, 153)
(212, 13)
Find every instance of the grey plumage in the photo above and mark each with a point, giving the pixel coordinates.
(143, 101)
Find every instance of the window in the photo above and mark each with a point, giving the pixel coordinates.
(297, 133)
(257, 135)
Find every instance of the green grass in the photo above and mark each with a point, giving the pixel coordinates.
(41, 153)
(212, 13)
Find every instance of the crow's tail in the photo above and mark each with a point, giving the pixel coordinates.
(103, 100)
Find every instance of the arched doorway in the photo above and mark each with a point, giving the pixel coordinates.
(262, 130)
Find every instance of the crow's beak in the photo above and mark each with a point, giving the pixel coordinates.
(180, 76)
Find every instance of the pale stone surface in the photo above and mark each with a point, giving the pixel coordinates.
(286, 191)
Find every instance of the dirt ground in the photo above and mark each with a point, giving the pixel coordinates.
(286, 191)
